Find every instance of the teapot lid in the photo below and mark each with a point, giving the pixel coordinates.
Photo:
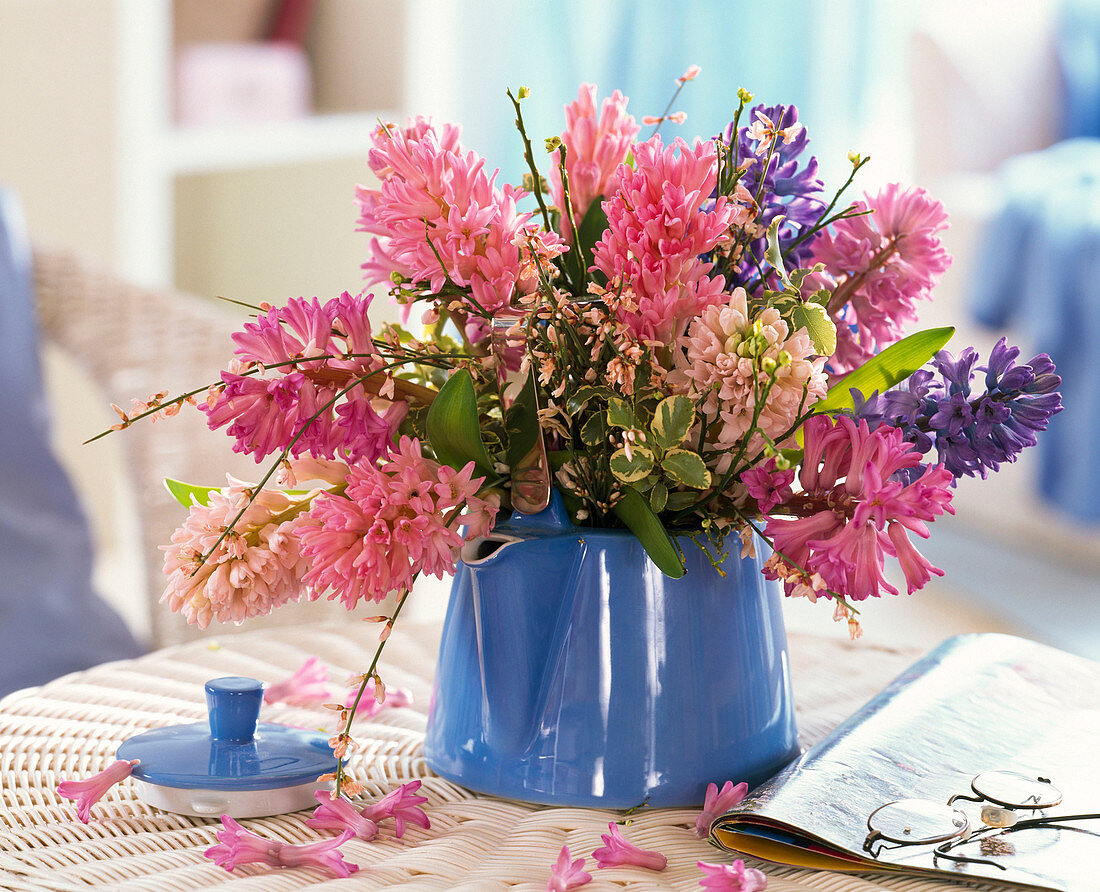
(230, 751)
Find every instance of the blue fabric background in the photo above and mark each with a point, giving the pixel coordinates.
(51, 622)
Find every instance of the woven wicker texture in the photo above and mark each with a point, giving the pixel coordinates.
(133, 341)
(72, 726)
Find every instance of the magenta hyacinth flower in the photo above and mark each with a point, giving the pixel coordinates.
(306, 687)
(339, 814)
(732, 877)
(89, 791)
(618, 852)
(717, 803)
(236, 845)
(856, 508)
(403, 805)
(567, 874)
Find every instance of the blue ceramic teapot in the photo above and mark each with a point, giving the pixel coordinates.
(573, 672)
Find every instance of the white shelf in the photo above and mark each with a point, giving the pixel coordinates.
(208, 149)
(154, 153)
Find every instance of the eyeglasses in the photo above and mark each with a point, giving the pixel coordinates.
(1002, 794)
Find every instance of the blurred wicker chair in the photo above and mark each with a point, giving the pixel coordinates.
(132, 342)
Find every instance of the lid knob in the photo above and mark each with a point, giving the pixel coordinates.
(234, 703)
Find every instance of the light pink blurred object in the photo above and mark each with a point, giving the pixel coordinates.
(232, 83)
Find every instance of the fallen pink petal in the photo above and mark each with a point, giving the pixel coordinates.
(369, 704)
(567, 874)
(89, 791)
(339, 814)
(237, 846)
(732, 877)
(717, 803)
(618, 852)
(306, 687)
(403, 805)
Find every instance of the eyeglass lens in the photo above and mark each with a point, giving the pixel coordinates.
(917, 822)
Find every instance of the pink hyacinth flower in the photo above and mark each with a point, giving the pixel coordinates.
(596, 143)
(567, 874)
(339, 814)
(884, 263)
(304, 688)
(732, 877)
(239, 846)
(89, 791)
(717, 803)
(617, 852)
(370, 705)
(403, 805)
(437, 214)
(660, 220)
(389, 525)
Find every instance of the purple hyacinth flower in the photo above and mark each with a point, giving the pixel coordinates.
(972, 434)
(790, 189)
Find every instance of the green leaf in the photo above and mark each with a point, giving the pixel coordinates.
(821, 329)
(773, 254)
(633, 469)
(591, 228)
(594, 432)
(188, 494)
(686, 467)
(521, 423)
(658, 497)
(672, 420)
(798, 276)
(619, 414)
(634, 511)
(583, 396)
(678, 501)
(454, 429)
(896, 363)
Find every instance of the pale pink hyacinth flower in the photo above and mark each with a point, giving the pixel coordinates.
(237, 846)
(595, 145)
(339, 814)
(733, 877)
(883, 263)
(269, 410)
(89, 791)
(256, 567)
(567, 874)
(306, 687)
(618, 852)
(717, 803)
(714, 367)
(389, 525)
(692, 72)
(370, 705)
(438, 214)
(852, 514)
(660, 220)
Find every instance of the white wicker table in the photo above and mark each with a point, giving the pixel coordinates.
(72, 726)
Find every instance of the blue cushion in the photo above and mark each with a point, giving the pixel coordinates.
(51, 621)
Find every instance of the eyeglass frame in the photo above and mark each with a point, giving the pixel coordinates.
(964, 832)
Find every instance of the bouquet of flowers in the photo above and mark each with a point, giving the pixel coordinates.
(682, 338)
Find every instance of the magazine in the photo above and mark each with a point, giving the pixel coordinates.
(992, 717)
